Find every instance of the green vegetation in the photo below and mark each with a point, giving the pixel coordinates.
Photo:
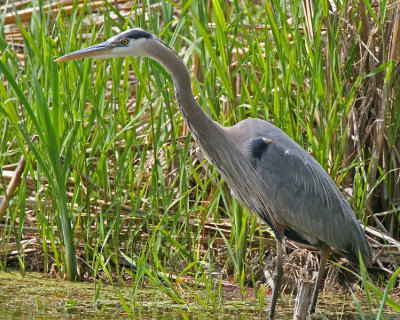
(111, 174)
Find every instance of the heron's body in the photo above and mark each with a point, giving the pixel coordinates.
(268, 172)
(311, 213)
(300, 193)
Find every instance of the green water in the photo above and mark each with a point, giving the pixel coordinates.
(36, 297)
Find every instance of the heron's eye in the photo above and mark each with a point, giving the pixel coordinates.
(125, 41)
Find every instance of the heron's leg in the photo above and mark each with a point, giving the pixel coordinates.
(325, 251)
(277, 279)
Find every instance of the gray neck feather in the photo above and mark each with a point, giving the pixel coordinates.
(199, 122)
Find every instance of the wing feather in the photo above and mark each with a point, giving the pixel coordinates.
(303, 197)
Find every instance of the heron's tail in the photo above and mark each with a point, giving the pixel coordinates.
(359, 247)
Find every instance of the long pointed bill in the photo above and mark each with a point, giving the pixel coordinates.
(97, 51)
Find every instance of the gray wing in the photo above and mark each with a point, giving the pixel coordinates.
(303, 197)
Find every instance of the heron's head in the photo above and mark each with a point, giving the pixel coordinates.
(130, 43)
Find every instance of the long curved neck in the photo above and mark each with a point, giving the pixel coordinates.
(198, 121)
(213, 139)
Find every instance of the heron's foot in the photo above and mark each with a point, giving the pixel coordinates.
(313, 303)
(271, 313)
(272, 308)
(277, 277)
(312, 307)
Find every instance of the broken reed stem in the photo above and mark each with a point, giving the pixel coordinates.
(14, 183)
(302, 300)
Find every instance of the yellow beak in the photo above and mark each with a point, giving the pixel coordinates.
(97, 51)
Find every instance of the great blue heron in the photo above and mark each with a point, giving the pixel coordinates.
(267, 171)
